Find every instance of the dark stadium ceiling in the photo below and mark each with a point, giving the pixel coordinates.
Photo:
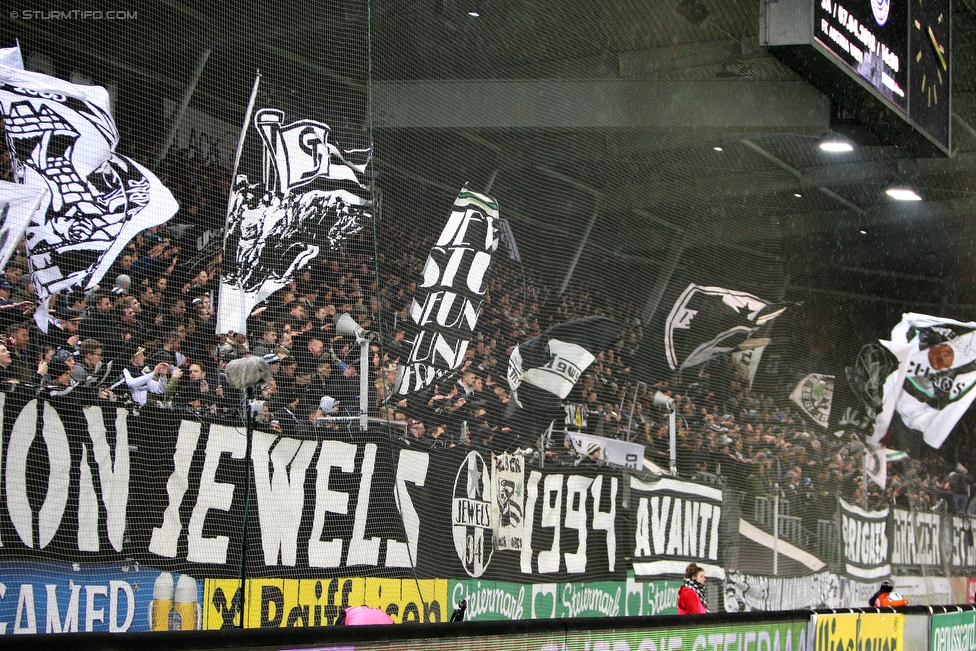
(601, 114)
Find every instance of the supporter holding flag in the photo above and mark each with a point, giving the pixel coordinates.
(543, 370)
(141, 380)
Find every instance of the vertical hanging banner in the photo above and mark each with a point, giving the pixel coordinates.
(446, 308)
(932, 386)
(814, 394)
(313, 196)
(17, 206)
(865, 542)
(707, 321)
(508, 503)
(62, 139)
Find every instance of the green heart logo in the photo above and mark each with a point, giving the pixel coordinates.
(544, 601)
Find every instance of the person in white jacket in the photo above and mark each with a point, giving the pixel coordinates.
(140, 380)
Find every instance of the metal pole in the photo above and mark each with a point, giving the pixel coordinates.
(579, 249)
(630, 421)
(544, 440)
(364, 384)
(673, 451)
(181, 110)
(776, 533)
(233, 181)
(864, 479)
(248, 431)
(663, 278)
(491, 181)
(240, 140)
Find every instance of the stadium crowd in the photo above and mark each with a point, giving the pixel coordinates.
(146, 339)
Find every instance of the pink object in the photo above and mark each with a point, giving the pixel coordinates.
(363, 615)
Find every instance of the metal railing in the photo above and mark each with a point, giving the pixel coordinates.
(763, 511)
(827, 546)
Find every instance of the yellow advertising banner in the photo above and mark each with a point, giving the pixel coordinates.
(273, 603)
(885, 631)
(853, 631)
(835, 632)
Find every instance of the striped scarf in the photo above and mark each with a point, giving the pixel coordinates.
(700, 589)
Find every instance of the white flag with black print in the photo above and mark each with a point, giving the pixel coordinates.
(814, 394)
(547, 367)
(933, 385)
(62, 139)
(707, 321)
(876, 463)
(748, 356)
(17, 206)
(313, 197)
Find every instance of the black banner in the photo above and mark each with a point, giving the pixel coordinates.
(102, 484)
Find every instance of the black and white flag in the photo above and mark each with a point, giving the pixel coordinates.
(748, 356)
(543, 370)
(448, 302)
(932, 387)
(18, 203)
(62, 139)
(313, 196)
(814, 394)
(300, 152)
(707, 321)
(866, 376)
(876, 463)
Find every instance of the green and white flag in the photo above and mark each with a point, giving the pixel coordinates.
(814, 395)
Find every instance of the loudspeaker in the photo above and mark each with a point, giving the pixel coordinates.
(661, 400)
(347, 326)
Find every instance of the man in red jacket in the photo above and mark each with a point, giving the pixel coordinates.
(691, 596)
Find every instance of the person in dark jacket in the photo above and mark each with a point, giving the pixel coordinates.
(691, 596)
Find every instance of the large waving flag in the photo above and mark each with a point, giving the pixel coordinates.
(814, 394)
(62, 139)
(17, 206)
(932, 387)
(446, 308)
(707, 321)
(313, 197)
(543, 370)
(748, 356)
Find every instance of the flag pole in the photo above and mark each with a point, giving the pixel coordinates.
(249, 436)
(180, 111)
(240, 140)
(249, 392)
(864, 479)
(233, 178)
